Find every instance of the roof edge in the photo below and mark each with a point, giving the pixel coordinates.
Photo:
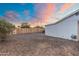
(71, 14)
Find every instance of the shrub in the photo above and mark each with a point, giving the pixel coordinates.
(5, 29)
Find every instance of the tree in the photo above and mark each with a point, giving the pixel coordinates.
(40, 27)
(5, 29)
(25, 25)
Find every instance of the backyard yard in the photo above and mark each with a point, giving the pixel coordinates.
(37, 44)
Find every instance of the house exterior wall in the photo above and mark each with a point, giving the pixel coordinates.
(64, 29)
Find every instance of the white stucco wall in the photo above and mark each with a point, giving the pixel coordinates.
(64, 29)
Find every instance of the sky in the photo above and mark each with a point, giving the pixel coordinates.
(36, 14)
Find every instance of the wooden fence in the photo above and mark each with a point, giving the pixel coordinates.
(27, 30)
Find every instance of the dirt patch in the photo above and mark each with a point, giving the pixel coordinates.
(37, 44)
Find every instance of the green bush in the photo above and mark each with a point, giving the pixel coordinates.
(5, 29)
(25, 25)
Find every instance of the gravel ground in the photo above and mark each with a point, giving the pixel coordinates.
(37, 44)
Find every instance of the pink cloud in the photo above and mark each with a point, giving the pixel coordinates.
(12, 16)
(66, 6)
(26, 12)
(44, 13)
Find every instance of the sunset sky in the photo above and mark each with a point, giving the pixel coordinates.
(36, 13)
